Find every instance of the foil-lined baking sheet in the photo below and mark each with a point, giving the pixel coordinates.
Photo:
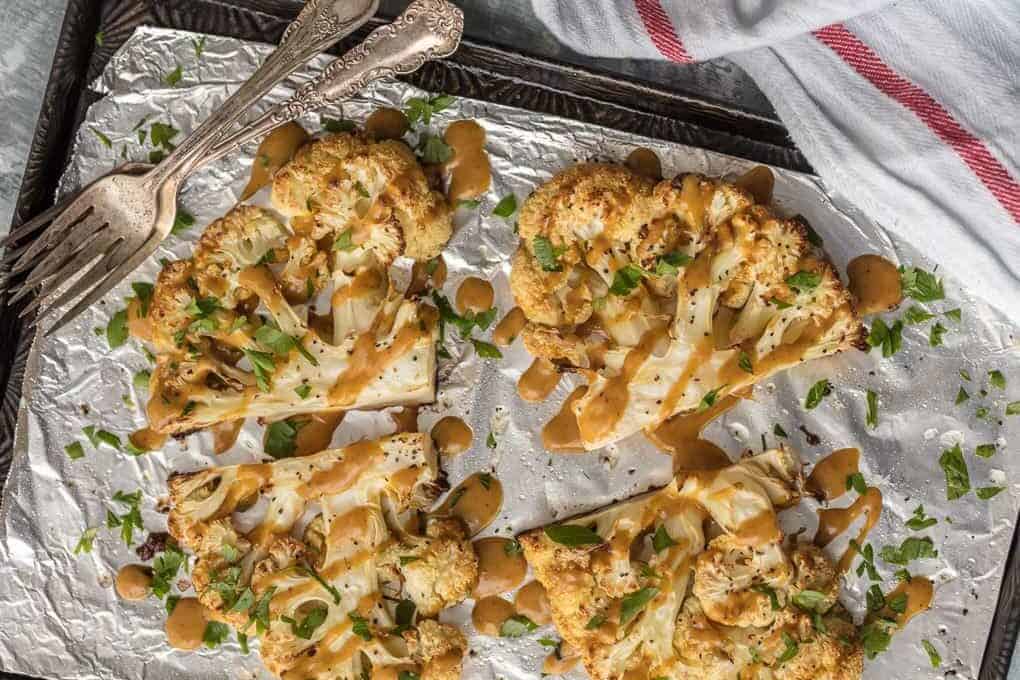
(61, 617)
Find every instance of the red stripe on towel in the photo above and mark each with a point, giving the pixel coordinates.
(660, 30)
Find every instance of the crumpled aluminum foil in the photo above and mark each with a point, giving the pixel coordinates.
(61, 616)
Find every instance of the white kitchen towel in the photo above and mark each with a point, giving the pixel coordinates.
(910, 109)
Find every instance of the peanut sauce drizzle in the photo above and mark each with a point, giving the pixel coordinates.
(645, 162)
(469, 167)
(476, 501)
(273, 153)
(386, 123)
(147, 439)
(919, 591)
(420, 276)
(490, 613)
(875, 284)
(500, 569)
(474, 295)
(185, 627)
(452, 436)
(561, 662)
(834, 521)
(509, 327)
(225, 434)
(133, 582)
(357, 459)
(533, 601)
(405, 419)
(315, 431)
(561, 434)
(681, 436)
(539, 381)
(759, 182)
(828, 478)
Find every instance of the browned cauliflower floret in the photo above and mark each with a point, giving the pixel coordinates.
(284, 552)
(552, 344)
(238, 240)
(439, 569)
(736, 583)
(835, 654)
(554, 298)
(813, 571)
(168, 313)
(306, 271)
(439, 648)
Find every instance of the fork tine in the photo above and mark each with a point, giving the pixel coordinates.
(111, 280)
(57, 228)
(104, 242)
(76, 241)
(34, 223)
(93, 275)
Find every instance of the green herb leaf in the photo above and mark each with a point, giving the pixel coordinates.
(595, 622)
(513, 548)
(171, 603)
(84, 544)
(517, 625)
(143, 291)
(215, 634)
(744, 362)
(872, 416)
(1013, 408)
(955, 468)
(506, 207)
(407, 675)
(662, 540)
(242, 641)
(328, 587)
(916, 315)
(933, 654)
(468, 204)
(889, 338)
(572, 535)
(626, 279)
(790, 650)
(344, 240)
(174, 76)
(919, 521)
(360, 627)
(954, 314)
(818, 391)
(183, 221)
(875, 598)
(936, 333)
(632, 604)
(804, 281)
(161, 134)
(260, 614)
(199, 46)
(985, 450)
(263, 366)
(303, 390)
(407, 559)
(708, 401)
(547, 254)
(997, 379)
(921, 285)
(337, 125)
(75, 450)
(770, 592)
(670, 263)
(165, 568)
(778, 430)
(897, 603)
(961, 396)
(104, 140)
(986, 492)
(433, 150)
(281, 437)
(116, 330)
(876, 636)
(857, 483)
(486, 350)
(811, 600)
(108, 438)
(490, 441)
(911, 549)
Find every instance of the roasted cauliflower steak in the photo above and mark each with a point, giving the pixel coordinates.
(698, 291)
(295, 551)
(643, 590)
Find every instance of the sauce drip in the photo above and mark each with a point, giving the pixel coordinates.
(489, 615)
(759, 182)
(315, 431)
(421, 276)
(645, 162)
(919, 592)
(276, 149)
(834, 521)
(532, 601)
(405, 419)
(133, 581)
(538, 381)
(561, 434)
(386, 123)
(509, 327)
(469, 167)
(474, 295)
(875, 284)
(476, 501)
(828, 478)
(147, 439)
(225, 435)
(559, 664)
(452, 436)
(500, 569)
(139, 326)
(357, 459)
(681, 436)
(185, 626)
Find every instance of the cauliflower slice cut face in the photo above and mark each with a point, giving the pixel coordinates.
(702, 292)
(322, 592)
(641, 592)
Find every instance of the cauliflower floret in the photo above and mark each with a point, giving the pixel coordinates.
(238, 240)
(740, 585)
(552, 344)
(168, 313)
(706, 649)
(306, 271)
(554, 298)
(444, 568)
(834, 655)
(813, 571)
(439, 648)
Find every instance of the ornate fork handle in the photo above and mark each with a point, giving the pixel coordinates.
(427, 29)
(320, 24)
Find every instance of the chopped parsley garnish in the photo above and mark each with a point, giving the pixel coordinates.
(337, 125)
(744, 362)
(897, 603)
(260, 614)
(626, 279)
(889, 338)
(344, 241)
(872, 416)
(174, 76)
(916, 315)
(933, 654)
(403, 616)
(857, 483)
(572, 535)
(818, 391)
(407, 559)
(920, 521)
(804, 281)
(143, 291)
(708, 401)
(954, 314)
(433, 150)
(1013, 408)
(422, 109)
(986, 492)
(911, 549)
(957, 477)
(215, 633)
(161, 134)
(307, 569)
(961, 396)
(789, 651)
(456, 496)
(486, 350)
(547, 254)
(670, 263)
(84, 544)
(313, 619)
(359, 627)
(303, 390)
(985, 450)
(485, 479)
(632, 604)
(875, 598)
(517, 625)
(116, 330)
(810, 600)
(867, 563)
(104, 140)
(466, 323)
(141, 379)
(490, 441)
(263, 365)
(936, 333)
(997, 379)
(202, 307)
(74, 450)
(281, 343)
(662, 540)
(513, 548)
(506, 207)
(921, 285)
(595, 622)
(281, 438)
(199, 46)
(130, 520)
(183, 221)
(770, 592)
(778, 430)
(876, 636)
(165, 568)
(362, 191)
(469, 203)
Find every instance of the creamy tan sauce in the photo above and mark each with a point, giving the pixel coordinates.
(539, 381)
(273, 153)
(489, 615)
(185, 626)
(645, 162)
(834, 521)
(405, 419)
(875, 284)
(476, 501)
(759, 182)
(474, 295)
(681, 436)
(225, 434)
(498, 571)
(559, 664)
(828, 478)
(357, 460)
(561, 434)
(386, 123)
(469, 167)
(919, 592)
(139, 326)
(147, 439)
(315, 431)
(509, 327)
(133, 581)
(532, 601)
(452, 436)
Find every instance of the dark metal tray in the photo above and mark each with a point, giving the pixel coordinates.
(478, 70)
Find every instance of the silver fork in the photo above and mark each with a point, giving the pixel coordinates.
(122, 217)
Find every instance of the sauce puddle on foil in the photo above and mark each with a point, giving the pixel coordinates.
(314, 431)
(133, 582)
(225, 434)
(500, 567)
(759, 182)
(469, 167)
(489, 614)
(474, 295)
(532, 601)
(681, 436)
(561, 434)
(875, 284)
(426, 271)
(828, 478)
(273, 153)
(509, 327)
(405, 419)
(539, 381)
(452, 436)
(387, 123)
(476, 501)
(918, 591)
(645, 162)
(834, 521)
(185, 627)
(147, 439)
